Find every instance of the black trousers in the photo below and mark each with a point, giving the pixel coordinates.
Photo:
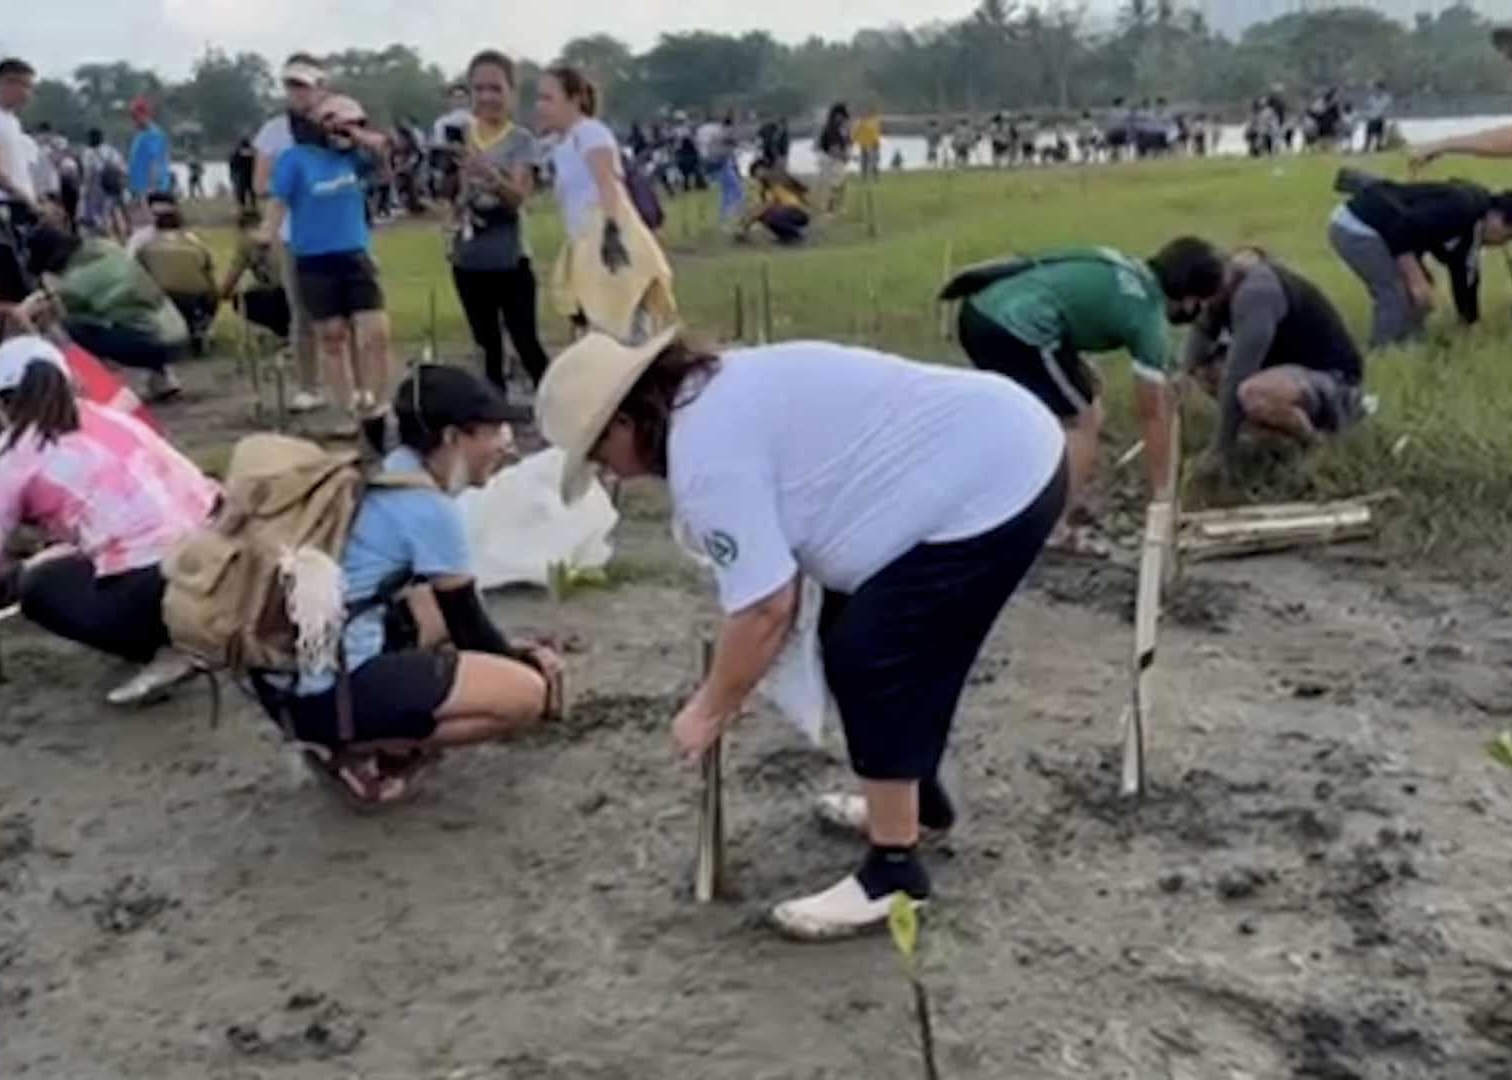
(268, 308)
(129, 348)
(121, 614)
(498, 300)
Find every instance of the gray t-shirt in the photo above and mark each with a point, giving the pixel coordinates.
(491, 235)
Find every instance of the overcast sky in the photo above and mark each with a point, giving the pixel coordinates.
(58, 35)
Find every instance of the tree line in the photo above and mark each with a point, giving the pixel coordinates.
(1005, 55)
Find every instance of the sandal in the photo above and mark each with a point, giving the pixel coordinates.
(359, 779)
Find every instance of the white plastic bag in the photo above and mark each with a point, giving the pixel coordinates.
(518, 526)
(795, 683)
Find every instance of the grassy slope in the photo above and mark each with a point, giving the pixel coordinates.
(1451, 399)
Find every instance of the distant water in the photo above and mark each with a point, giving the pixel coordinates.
(803, 160)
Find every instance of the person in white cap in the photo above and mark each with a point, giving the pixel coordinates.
(320, 188)
(304, 86)
(918, 496)
(113, 496)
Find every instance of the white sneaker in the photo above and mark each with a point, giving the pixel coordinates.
(306, 401)
(847, 812)
(841, 911)
(153, 681)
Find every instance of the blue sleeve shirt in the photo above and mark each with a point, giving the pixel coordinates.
(325, 192)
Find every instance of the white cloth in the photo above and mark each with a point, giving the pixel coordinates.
(518, 527)
(15, 159)
(795, 684)
(272, 139)
(576, 191)
(833, 461)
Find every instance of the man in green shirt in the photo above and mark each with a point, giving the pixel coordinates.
(1032, 318)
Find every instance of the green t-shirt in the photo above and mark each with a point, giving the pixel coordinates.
(1095, 300)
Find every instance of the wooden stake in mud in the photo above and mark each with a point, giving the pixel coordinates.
(1157, 539)
(1172, 563)
(766, 304)
(708, 879)
(945, 272)
(429, 354)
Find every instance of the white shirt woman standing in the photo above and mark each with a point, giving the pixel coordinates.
(611, 276)
(918, 496)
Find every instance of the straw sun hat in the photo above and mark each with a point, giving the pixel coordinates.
(582, 390)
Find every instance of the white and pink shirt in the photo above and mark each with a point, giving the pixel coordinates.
(114, 489)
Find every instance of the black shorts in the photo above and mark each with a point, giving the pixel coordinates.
(394, 696)
(1059, 377)
(898, 650)
(1333, 403)
(338, 286)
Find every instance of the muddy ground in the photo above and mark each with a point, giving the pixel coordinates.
(1316, 887)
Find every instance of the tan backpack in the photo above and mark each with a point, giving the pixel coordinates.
(226, 601)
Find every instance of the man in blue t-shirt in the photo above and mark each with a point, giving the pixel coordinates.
(149, 164)
(320, 187)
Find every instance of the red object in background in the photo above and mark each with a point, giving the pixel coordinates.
(97, 383)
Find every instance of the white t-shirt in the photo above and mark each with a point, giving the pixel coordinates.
(272, 139)
(15, 156)
(834, 461)
(576, 191)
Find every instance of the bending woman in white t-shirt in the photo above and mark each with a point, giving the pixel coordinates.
(917, 495)
(612, 275)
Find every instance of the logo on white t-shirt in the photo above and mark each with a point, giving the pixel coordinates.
(721, 547)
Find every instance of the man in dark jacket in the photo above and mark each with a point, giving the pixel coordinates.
(1277, 356)
(1386, 229)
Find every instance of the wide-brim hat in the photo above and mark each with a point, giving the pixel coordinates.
(582, 390)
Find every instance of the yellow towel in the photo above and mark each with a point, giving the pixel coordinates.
(612, 302)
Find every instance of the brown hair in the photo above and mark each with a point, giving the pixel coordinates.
(674, 379)
(493, 58)
(44, 400)
(577, 86)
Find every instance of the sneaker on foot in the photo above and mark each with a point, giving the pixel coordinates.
(847, 812)
(153, 681)
(841, 911)
(306, 401)
(163, 385)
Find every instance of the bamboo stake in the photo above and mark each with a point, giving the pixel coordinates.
(708, 879)
(945, 272)
(1146, 629)
(767, 333)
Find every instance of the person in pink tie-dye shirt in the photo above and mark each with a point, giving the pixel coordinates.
(112, 495)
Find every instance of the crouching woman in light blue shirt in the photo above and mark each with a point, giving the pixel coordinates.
(419, 684)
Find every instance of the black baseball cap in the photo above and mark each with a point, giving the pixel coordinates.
(435, 397)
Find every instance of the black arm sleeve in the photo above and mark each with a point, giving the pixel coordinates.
(468, 624)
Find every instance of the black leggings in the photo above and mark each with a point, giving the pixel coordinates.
(489, 295)
(121, 614)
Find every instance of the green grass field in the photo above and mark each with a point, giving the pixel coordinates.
(1443, 436)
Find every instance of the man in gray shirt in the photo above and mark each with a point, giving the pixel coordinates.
(1276, 354)
(304, 85)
